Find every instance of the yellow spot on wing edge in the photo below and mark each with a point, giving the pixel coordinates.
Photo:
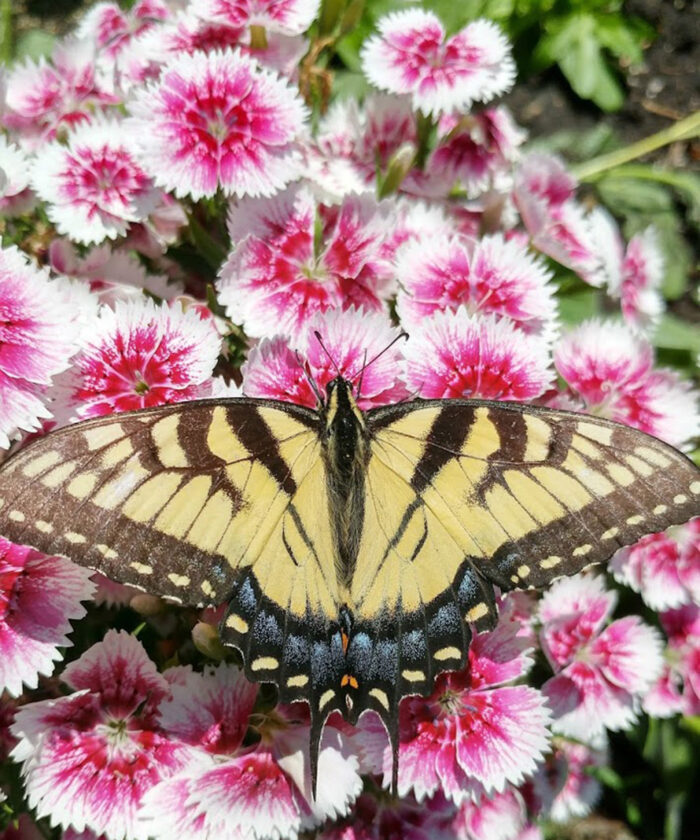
(235, 622)
(142, 568)
(659, 509)
(380, 696)
(680, 499)
(610, 533)
(105, 550)
(43, 526)
(16, 516)
(264, 663)
(695, 487)
(413, 676)
(297, 681)
(635, 520)
(325, 698)
(179, 580)
(523, 571)
(582, 550)
(447, 653)
(477, 612)
(74, 537)
(600, 434)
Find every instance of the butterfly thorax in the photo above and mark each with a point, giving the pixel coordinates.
(345, 451)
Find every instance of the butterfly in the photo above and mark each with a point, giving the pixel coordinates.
(356, 551)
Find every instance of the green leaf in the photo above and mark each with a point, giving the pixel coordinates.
(629, 195)
(623, 36)
(348, 84)
(675, 334)
(34, 44)
(578, 306)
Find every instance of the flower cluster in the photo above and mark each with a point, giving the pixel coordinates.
(202, 236)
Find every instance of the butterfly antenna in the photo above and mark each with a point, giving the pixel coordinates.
(309, 378)
(366, 364)
(327, 352)
(362, 373)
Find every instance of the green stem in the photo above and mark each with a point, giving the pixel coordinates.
(5, 31)
(425, 127)
(682, 130)
(213, 253)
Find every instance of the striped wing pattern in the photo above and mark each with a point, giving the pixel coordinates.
(219, 501)
(466, 495)
(201, 503)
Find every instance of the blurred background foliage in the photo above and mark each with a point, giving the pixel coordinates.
(594, 76)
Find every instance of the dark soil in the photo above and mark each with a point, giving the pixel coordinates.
(662, 90)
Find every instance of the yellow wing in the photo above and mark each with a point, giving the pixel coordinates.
(462, 495)
(201, 502)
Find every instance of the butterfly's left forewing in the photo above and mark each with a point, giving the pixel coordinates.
(201, 502)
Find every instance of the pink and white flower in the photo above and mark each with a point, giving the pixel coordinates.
(354, 143)
(491, 275)
(564, 787)
(664, 568)
(140, 354)
(352, 339)
(93, 185)
(39, 597)
(380, 818)
(473, 734)
(38, 336)
(455, 354)
(218, 121)
(188, 32)
(43, 96)
(411, 55)
(633, 274)
(557, 223)
(678, 687)
(601, 670)
(293, 258)
(288, 17)
(500, 816)
(475, 150)
(14, 175)
(89, 757)
(110, 275)
(609, 370)
(264, 790)
(112, 28)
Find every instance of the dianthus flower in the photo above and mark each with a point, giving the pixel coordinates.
(601, 670)
(677, 690)
(475, 150)
(263, 790)
(289, 17)
(140, 354)
(455, 354)
(89, 757)
(93, 185)
(632, 274)
(490, 275)
(564, 787)
(45, 95)
(218, 121)
(609, 371)
(283, 269)
(38, 336)
(411, 55)
(351, 338)
(664, 568)
(39, 597)
(112, 28)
